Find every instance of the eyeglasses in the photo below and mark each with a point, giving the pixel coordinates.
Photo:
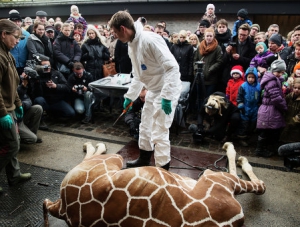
(17, 37)
(49, 31)
(244, 35)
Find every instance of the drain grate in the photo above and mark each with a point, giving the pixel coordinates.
(22, 205)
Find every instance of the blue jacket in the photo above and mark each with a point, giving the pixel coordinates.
(237, 24)
(20, 51)
(249, 97)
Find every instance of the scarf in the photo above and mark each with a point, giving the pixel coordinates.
(205, 50)
(95, 41)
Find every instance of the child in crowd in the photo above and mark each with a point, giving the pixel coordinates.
(248, 100)
(242, 16)
(292, 117)
(210, 15)
(223, 34)
(259, 61)
(270, 117)
(233, 85)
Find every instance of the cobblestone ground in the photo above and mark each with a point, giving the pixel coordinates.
(103, 124)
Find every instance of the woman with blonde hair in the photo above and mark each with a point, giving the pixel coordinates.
(194, 41)
(94, 52)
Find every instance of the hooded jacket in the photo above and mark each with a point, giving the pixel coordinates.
(20, 51)
(249, 97)
(153, 66)
(270, 113)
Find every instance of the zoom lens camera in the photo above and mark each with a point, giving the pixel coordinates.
(79, 89)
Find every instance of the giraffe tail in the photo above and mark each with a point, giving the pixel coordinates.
(52, 208)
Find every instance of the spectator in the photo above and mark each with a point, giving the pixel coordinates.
(242, 15)
(51, 21)
(10, 104)
(203, 25)
(210, 15)
(260, 60)
(41, 16)
(159, 29)
(233, 85)
(260, 37)
(79, 29)
(66, 50)
(82, 96)
(27, 22)
(58, 19)
(57, 27)
(223, 34)
(174, 38)
(255, 28)
(77, 36)
(272, 29)
(133, 116)
(276, 47)
(248, 100)
(270, 117)
(49, 32)
(293, 59)
(51, 92)
(184, 53)
(122, 59)
(165, 26)
(94, 52)
(111, 43)
(20, 50)
(30, 123)
(194, 41)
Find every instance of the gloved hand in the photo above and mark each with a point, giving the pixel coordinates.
(241, 107)
(19, 112)
(6, 122)
(132, 129)
(126, 103)
(70, 65)
(166, 106)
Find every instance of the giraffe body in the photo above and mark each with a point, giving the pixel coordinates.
(98, 193)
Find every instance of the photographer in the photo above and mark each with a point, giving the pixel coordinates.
(133, 116)
(50, 90)
(82, 96)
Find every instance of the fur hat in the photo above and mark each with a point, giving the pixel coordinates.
(204, 23)
(256, 26)
(263, 45)
(14, 15)
(297, 67)
(276, 38)
(209, 6)
(74, 8)
(243, 13)
(278, 65)
(237, 69)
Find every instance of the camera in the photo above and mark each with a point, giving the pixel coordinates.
(143, 20)
(45, 68)
(79, 89)
(34, 71)
(199, 64)
(234, 45)
(291, 162)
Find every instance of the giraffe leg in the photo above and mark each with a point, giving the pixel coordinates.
(100, 149)
(231, 154)
(52, 208)
(89, 149)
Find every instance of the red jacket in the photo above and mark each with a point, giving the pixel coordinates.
(232, 89)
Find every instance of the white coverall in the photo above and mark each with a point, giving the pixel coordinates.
(154, 67)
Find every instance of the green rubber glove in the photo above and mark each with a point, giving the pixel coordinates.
(19, 112)
(166, 106)
(126, 103)
(6, 122)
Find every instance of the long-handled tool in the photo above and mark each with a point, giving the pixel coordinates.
(123, 112)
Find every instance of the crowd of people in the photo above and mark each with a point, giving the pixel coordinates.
(253, 76)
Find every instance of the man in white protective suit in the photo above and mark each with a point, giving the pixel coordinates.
(154, 67)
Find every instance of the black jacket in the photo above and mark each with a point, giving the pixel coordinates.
(94, 54)
(184, 55)
(84, 80)
(223, 39)
(122, 59)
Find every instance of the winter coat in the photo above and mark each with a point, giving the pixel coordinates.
(36, 47)
(212, 64)
(20, 51)
(26, 101)
(94, 55)
(291, 131)
(271, 112)
(51, 95)
(237, 24)
(248, 99)
(122, 60)
(9, 80)
(84, 80)
(260, 60)
(232, 89)
(223, 39)
(66, 49)
(291, 62)
(153, 66)
(183, 53)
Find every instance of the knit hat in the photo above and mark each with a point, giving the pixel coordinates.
(74, 8)
(243, 13)
(237, 69)
(204, 23)
(14, 15)
(41, 14)
(256, 26)
(276, 38)
(209, 6)
(278, 65)
(296, 67)
(262, 44)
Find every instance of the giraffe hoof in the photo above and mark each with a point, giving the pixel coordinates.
(241, 161)
(85, 146)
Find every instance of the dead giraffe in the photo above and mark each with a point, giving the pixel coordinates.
(98, 193)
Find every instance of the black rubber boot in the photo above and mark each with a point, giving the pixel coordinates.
(143, 160)
(261, 149)
(166, 166)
